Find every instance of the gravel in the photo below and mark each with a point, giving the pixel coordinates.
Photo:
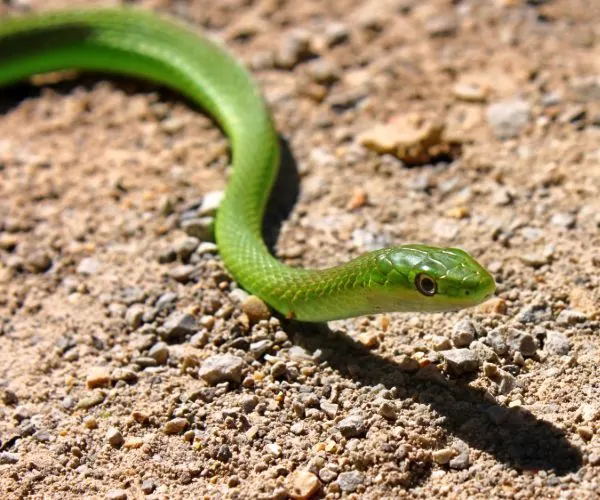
(570, 317)
(119, 173)
(182, 274)
(507, 119)
(88, 266)
(460, 361)
(114, 437)
(222, 368)
(557, 343)
(463, 333)
(201, 228)
(179, 325)
(255, 309)
(302, 485)
(353, 426)
(350, 481)
(175, 426)
(160, 352)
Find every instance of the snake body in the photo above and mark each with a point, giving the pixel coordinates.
(137, 43)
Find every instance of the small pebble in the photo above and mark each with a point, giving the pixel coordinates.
(298, 428)
(38, 262)
(239, 295)
(409, 137)
(585, 433)
(199, 339)
(134, 315)
(160, 352)
(508, 118)
(222, 368)
(8, 242)
(350, 481)
(224, 453)
(97, 376)
(179, 325)
(273, 449)
(463, 333)
(442, 25)
(148, 486)
(507, 382)
(90, 423)
(388, 410)
(279, 369)
(255, 309)
(175, 426)
(294, 47)
(114, 437)
(210, 203)
(459, 361)
(327, 475)
(207, 247)
(335, 33)
(260, 347)
(298, 353)
(407, 364)
(7, 458)
(490, 370)
(461, 460)
(140, 417)
(182, 274)
(166, 301)
(323, 71)
(495, 305)
(440, 343)
(443, 456)
(523, 342)
(9, 397)
(502, 197)
(593, 458)
(199, 227)
(145, 362)
(248, 403)
(302, 484)
(535, 313)
(116, 495)
(186, 247)
(369, 339)
(133, 443)
(557, 343)
(470, 91)
(564, 220)
(534, 260)
(88, 266)
(497, 341)
(352, 426)
(330, 409)
(570, 317)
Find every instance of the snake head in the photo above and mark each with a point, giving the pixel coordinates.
(422, 278)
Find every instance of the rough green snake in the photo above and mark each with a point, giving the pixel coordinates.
(140, 44)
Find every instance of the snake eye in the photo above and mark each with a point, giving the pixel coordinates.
(425, 284)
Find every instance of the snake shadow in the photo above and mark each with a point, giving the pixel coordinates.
(521, 440)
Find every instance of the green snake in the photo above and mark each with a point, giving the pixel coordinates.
(140, 44)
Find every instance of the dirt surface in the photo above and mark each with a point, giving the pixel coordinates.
(131, 364)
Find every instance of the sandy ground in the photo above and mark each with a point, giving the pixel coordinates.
(131, 364)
